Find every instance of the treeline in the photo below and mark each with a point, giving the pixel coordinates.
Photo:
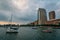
(54, 25)
(7, 25)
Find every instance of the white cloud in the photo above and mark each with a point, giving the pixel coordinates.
(20, 4)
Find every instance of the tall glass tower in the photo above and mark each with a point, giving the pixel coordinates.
(42, 16)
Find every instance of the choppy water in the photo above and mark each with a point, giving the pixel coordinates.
(27, 33)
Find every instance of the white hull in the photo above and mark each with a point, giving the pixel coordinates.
(11, 30)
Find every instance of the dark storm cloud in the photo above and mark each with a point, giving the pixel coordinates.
(3, 17)
(30, 14)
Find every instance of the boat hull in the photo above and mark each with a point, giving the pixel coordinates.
(47, 31)
(11, 32)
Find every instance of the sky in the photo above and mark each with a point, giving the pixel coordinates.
(25, 11)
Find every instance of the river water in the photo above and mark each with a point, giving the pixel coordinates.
(27, 33)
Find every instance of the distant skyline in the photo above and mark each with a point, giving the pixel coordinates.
(25, 11)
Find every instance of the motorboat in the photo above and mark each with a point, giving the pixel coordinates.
(34, 28)
(56, 27)
(47, 31)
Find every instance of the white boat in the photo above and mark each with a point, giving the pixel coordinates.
(16, 28)
(12, 30)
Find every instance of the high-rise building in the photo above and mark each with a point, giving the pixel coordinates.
(51, 15)
(42, 17)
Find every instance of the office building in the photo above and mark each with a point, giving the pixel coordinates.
(42, 17)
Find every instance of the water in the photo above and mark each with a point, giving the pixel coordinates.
(27, 33)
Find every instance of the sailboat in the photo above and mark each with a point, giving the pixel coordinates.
(48, 30)
(12, 29)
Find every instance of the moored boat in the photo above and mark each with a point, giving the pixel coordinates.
(34, 28)
(47, 31)
(12, 30)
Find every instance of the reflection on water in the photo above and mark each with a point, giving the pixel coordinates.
(27, 33)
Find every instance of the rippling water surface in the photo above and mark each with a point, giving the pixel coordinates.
(27, 33)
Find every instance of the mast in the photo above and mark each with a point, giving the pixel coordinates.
(11, 18)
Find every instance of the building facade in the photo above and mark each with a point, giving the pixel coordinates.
(55, 21)
(42, 17)
(51, 15)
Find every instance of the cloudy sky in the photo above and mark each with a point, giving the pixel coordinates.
(25, 11)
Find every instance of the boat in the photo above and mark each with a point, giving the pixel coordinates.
(34, 28)
(47, 31)
(56, 27)
(12, 29)
(16, 28)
